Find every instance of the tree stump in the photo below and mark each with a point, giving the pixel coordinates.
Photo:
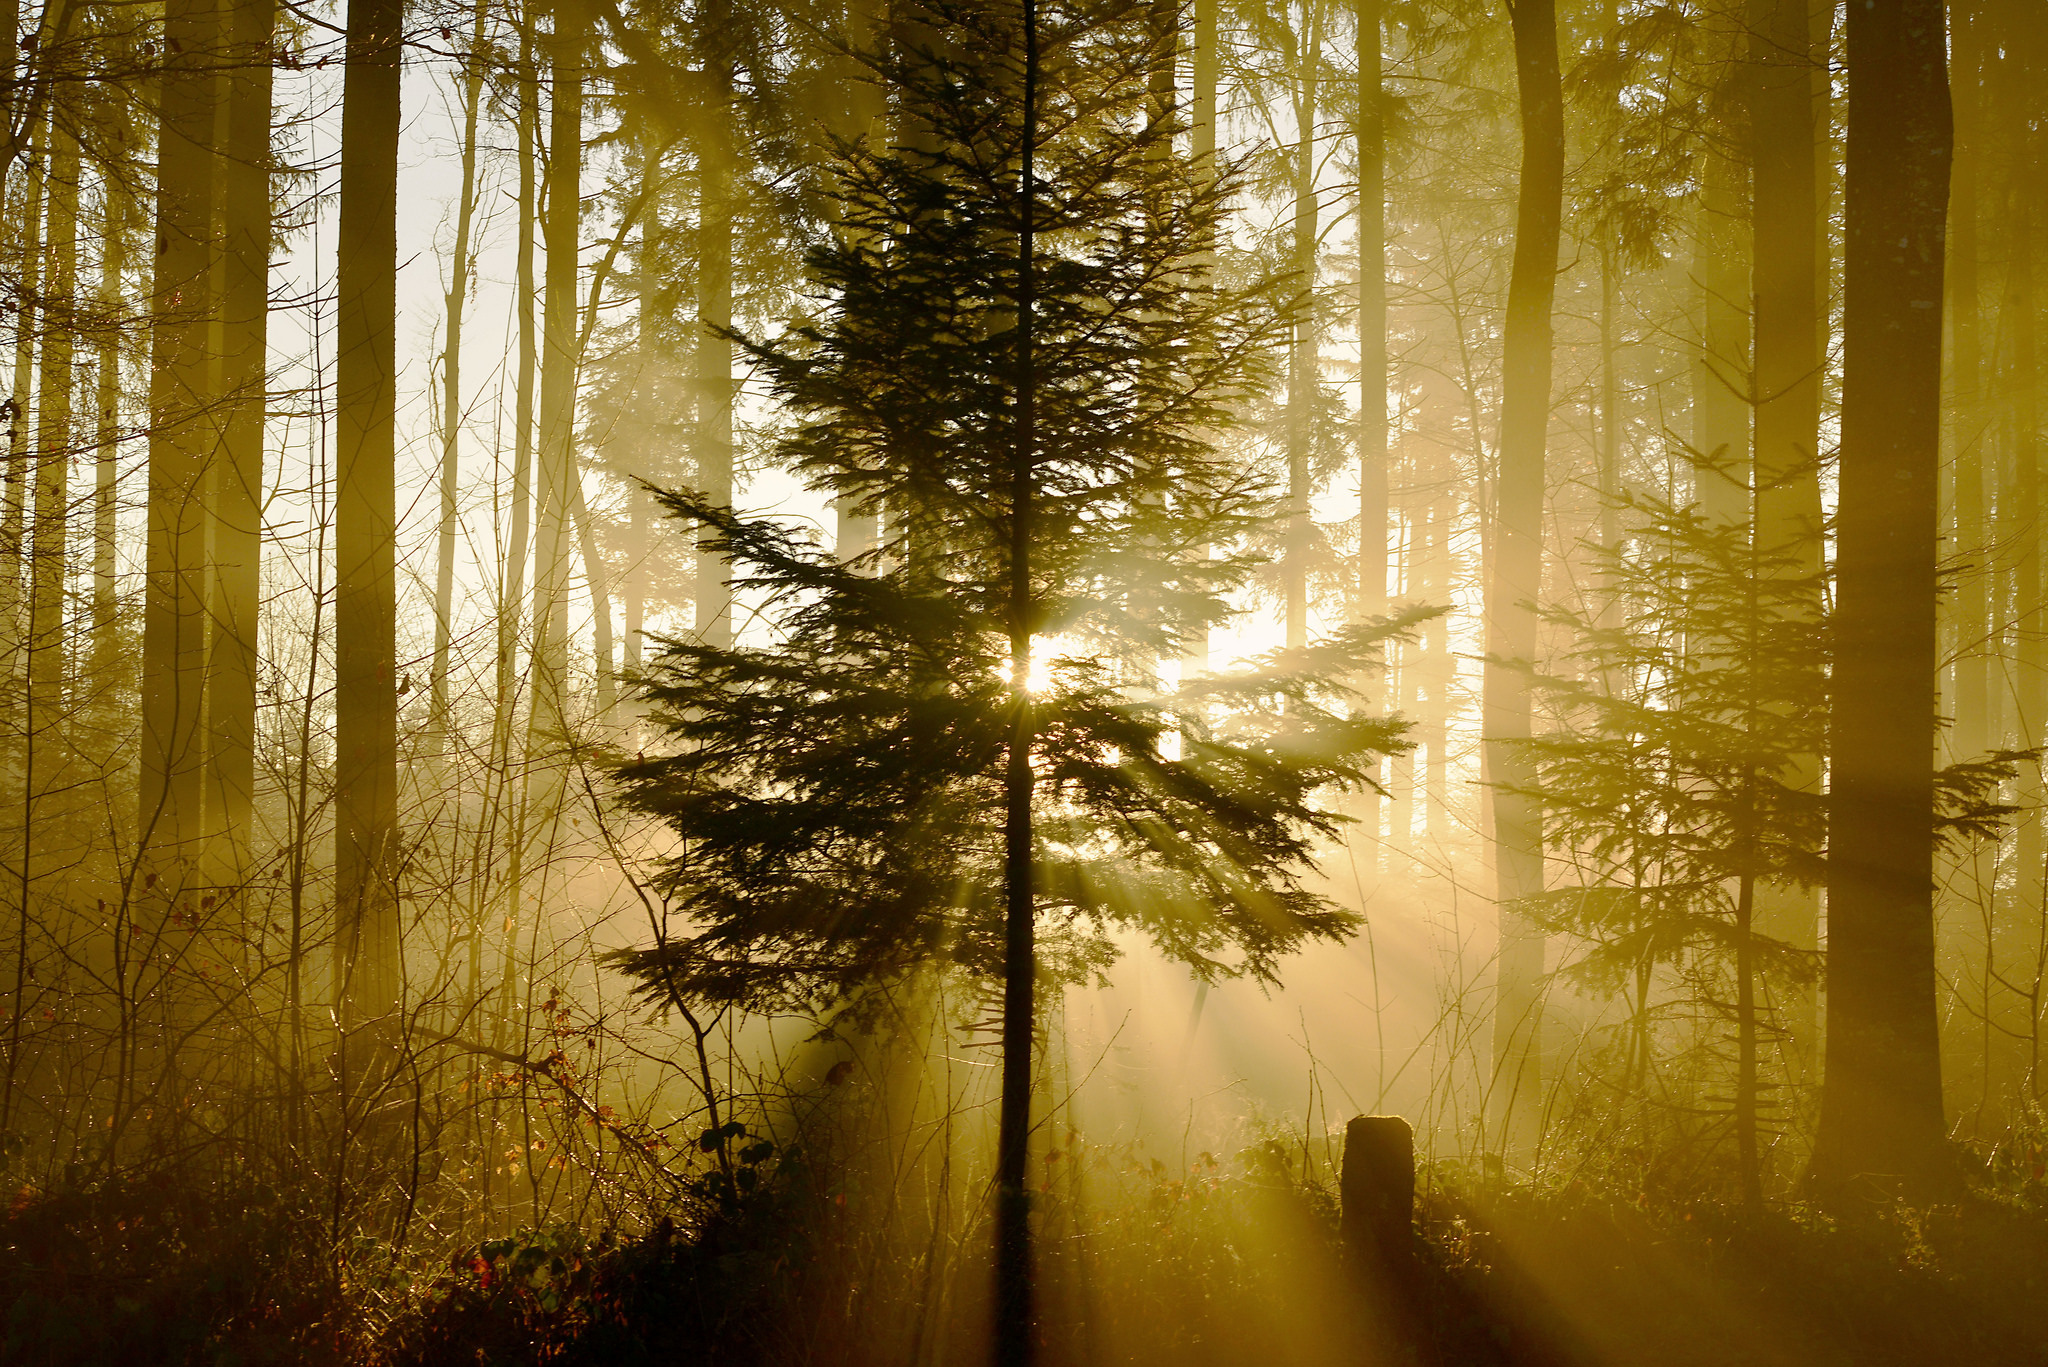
(1378, 1192)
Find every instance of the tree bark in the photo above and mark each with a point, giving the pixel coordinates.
(1786, 384)
(180, 444)
(238, 470)
(47, 568)
(1371, 137)
(859, 113)
(1517, 568)
(451, 389)
(561, 223)
(1721, 367)
(366, 604)
(1881, 1111)
(1971, 614)
(714, 313)
(512, 597)
(106, 642)
(1301, 355)
(1016, 1327)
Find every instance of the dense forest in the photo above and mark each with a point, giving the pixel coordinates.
(1023, 681)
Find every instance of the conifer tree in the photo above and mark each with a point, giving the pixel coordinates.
(1677, 779)
(962, 760)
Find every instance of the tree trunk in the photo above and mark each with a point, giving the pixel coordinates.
(238, 470)
(1016, 1327)
(1372, 316)
(1881, 1112)
(366, 604)
(1301, 355)
(1971, 614)
(14, 497)
(1745, 1042)
(714, 313)
(180, 442)
(43, 751)
(451, 390)
(1202, 77)
(512, 597)
(1369, 134)
(646, 397)
(599, 582)
(859, 114)
(106, 641)
(1721, 367)
(1517, 570)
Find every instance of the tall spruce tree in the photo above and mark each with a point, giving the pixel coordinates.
(962, 759)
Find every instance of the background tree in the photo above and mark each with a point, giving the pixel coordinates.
(1881, 1107)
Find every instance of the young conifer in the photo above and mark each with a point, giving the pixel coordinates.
(1023, 360)
(1675, 780)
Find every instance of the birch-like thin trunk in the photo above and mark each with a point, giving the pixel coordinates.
(1721, 252)
(451, 393)
(1301, 355)
(106, 640)
(714, 314)
(47, 568)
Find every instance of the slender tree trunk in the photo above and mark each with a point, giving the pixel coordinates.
(451, 388)
(1016, 1327)
(15, 497)
(599, 581)
(366, 603)
(1371, 136)
(1881, 1112)
(646, 396)
(238, 468)
(1786, 384)
(1721, 367)
(562, 225)
(47, 567)
(714, 313)
(1369, 133)
(859, 113)
(1611, 420)
(1972, 609)
(180, 441)
(1745, 1044)
(106, 641)
(1301, 356)
(1517, 569)
(512, 600)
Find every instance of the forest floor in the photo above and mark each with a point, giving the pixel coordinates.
(1238, 1273)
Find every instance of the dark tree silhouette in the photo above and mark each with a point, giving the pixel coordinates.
(1881, 1107)
(954, 750)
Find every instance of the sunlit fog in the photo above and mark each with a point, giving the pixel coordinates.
(929, 683)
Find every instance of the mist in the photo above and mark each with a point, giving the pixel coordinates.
(1115, 681)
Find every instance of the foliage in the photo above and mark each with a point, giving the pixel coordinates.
(838, 786)
(1681, 765)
